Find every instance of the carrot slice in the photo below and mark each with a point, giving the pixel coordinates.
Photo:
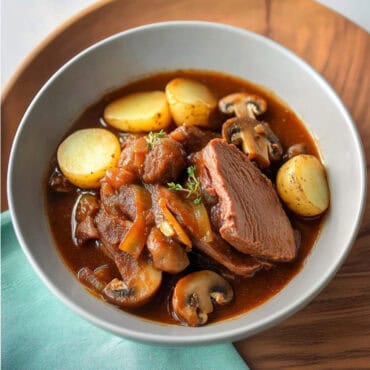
(134, 241)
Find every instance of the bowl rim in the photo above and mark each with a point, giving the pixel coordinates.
(226, 334)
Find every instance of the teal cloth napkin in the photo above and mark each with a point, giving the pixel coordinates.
(39, 332)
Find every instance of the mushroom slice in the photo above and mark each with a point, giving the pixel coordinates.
(256, 139)
(274, 147)
(140, 281)
(243, 105)
(194, 293)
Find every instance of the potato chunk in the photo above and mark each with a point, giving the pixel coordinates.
(191, 102)
(302, 185)
(144, 111)
(85, 155)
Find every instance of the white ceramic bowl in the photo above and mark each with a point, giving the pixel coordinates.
(169, 46)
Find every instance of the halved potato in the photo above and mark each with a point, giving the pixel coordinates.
(302, 185)
(85, 155)
(191, 102)
(144, 111)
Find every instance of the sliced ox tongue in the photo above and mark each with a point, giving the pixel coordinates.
(236, 262)
(250, 216)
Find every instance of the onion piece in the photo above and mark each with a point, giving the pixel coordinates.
(181, 234)
(204, 224)
(193, 217)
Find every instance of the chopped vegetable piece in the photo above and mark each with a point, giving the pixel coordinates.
(191, 102)
(204, 224)
(196, 293)
(145, 111)
(191, 216)
(302, 185)
(166, 229)
(85, 155)
(134, 241)
(140, 281)
(181, 234)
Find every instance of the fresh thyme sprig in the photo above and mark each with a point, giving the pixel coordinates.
(153, 137)
(192, 186)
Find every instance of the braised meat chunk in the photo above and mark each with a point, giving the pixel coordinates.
(236, 262)
(192, 138)
(252, 219)
(87, 207)
(164, 162)
(158, 160)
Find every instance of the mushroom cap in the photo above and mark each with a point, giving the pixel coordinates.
(195, 293)
(243, 105)
(140, 281)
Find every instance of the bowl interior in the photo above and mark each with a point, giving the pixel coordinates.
(170, 46)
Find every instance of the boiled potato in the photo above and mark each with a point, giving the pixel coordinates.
(191, 102)
(144, 111)
(85, 155)
(301, 184)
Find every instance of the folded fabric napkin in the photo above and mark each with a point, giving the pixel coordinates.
(39, 332)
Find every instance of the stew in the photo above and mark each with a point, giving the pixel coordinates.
(186, 197)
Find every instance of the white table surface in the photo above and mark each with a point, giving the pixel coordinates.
(25, 23)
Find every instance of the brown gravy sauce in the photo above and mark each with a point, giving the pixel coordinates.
(249, 292)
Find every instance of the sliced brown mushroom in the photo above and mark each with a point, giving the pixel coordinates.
(274, 147)
(294, 150)
(140, 281)
(243, 105)
(195, 294)
(256, 138)
(167, 254)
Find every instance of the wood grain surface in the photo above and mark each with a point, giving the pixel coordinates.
(333, 332)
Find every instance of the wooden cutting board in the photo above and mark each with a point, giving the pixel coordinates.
(334, 330)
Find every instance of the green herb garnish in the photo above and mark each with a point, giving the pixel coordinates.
(153, 137)
(192, 186)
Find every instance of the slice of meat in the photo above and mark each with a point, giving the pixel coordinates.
(109, 199)
(86, 230)
(112, 229)
(192, 138)
(251, 217)
(87, 207)
(133, 200)
(125, 202)
(236, 262)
